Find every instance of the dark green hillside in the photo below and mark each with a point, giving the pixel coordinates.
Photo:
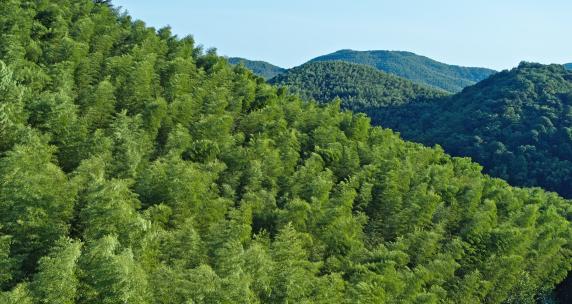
(408, 65)
(136, 168)
(361, 88)
(260, 68)
(518, 124)
(568, 66)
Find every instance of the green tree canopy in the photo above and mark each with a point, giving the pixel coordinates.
(147, 170)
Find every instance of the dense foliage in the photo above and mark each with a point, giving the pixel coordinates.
(361, 88)
(417, 68)
(260, 68)
(136, 168)
(568, 66)
(517, 124)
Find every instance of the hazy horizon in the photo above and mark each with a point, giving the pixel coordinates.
(481, 34)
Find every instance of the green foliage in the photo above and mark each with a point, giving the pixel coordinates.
(109, 274)
(568, 66)
(260, 68)
(36, 200)
(516, 124)
(361, 88)
(417, 68)
(19, 295)
(56, 280)
(6, 261)
(110, 208)
(12, 114)
(148, 171)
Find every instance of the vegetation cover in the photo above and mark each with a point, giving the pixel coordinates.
(260, 68)
(360, 88)
(517, 124)
(137, 168)
(414, 67)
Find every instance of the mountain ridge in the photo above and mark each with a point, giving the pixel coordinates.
(418, 68)
(405, 64)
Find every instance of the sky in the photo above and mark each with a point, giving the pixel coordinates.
(496, 34)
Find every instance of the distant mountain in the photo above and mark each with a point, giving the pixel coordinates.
(261, 68)
(360, 87)
(568, 66)
(420, 69)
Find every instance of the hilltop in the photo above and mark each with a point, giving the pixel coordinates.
(260, 68)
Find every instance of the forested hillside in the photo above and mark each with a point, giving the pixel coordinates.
(517, 124)
(260, 68)
(361, 88)
(408, 65)
(137, 168)
(568, 66)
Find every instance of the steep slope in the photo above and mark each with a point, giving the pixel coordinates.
(408, 65)
(260, 68)
(134, 168)
(361, 88)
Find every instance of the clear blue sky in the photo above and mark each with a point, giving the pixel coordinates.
(490, 33)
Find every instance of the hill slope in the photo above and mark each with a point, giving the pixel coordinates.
(568, 66)
(260, 68)
(414, 67)
(517, 123)
(360, 87)
(134, 168)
